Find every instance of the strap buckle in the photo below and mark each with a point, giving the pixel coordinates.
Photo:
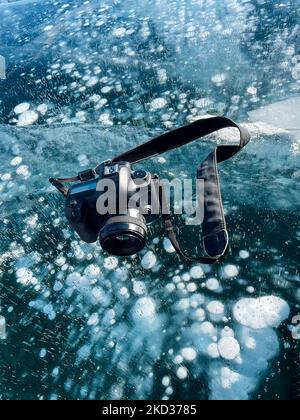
(87, 175)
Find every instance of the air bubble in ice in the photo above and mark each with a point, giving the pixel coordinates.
(23, 107)
(158, 103)
(2, 328)
(93, 319)
(212, 284)
(110, 263)
(27, 118)
(92, 270)
(229, 348)
(16, 161)
(149, 260)
(230, 271)
(216, 310)
(168, 247)
(244, 254)
(263, 312)
(119, 32)
(189, 353)
(182, 372)
(144, 309)
(197, 272)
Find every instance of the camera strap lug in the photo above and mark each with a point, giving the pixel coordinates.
(87, 175)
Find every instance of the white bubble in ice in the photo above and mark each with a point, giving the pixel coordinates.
(124, 291)
(250, 343)
(23, 107)
(49, 311)
(158, 103)
(207, 328)
(92, 270)
(57, 286)
(5, 177)
(212, 284)
(252, 90)
(263, 312)
(144, 309)
(168, 247)
(60, 261)
(24, 276)
(230, 271)
(178, 359)
(106, 89)
(119, 32)
(23, 171)
(198, 315)
(219, 79)
(73, 279)
(149, 260)
(213, 351)
(111, 263)
(48, 28)
(182, 372)
(43, 353)
(229, 378)
(2, 328)
(92, 81)
(191, 287)
(162, 76)
(189, 353)
(55, 372)
(81, 115)
(93, 319)
(186, 277)
(197, 272)
(166, 381)
(296, 72)
(182, 305)
(105, 119)
(42, 109)
(227, 332)
(27, 118)
(139, 287)
(82, 158)
(216, 310)
(170, 287)
(244, 254)
(229, 348)
(16, 161)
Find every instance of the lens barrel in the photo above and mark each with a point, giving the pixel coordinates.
(124, 235)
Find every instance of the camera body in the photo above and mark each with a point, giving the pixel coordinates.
(115, 207)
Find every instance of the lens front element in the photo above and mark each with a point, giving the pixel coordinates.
(123, 235)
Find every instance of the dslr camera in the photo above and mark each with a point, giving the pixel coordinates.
(115, 207)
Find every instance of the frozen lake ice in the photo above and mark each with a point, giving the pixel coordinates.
(84, 82)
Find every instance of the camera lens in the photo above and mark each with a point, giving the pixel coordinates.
(124, 235)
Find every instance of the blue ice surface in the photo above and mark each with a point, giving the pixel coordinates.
(87, 80)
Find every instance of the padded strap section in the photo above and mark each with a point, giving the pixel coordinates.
(184, 135)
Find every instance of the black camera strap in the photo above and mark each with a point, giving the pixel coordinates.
(215, 234)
